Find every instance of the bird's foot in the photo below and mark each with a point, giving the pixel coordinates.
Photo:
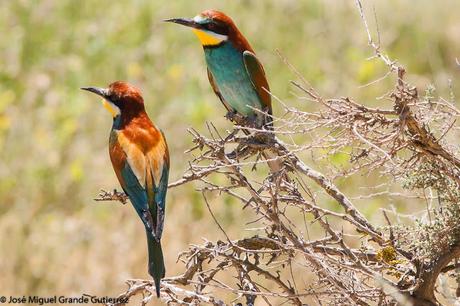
(112, 196)
(240, 119)
(231, 115)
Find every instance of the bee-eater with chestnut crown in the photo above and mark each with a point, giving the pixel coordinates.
(236, 75)
(140, 158)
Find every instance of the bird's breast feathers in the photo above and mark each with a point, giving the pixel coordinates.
(232, 80)
(145, 151)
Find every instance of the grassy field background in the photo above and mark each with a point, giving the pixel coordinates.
(54, 239)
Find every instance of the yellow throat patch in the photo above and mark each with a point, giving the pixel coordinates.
(206, 39)
(109, 108)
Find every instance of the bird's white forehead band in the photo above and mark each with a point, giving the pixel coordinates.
(199, 18)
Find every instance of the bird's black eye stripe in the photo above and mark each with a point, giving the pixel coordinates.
(114, 99)
(216, 27)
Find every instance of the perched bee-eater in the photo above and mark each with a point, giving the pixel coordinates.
(236, 75)
(140, 158)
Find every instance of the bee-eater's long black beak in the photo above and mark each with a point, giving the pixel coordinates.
(184, 21)
(97, 90)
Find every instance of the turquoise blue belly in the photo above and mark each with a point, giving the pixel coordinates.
(227, 67)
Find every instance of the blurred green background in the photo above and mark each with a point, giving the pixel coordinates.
(54, 239)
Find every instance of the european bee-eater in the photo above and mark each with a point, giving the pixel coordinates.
(236, 75)
(140, 158)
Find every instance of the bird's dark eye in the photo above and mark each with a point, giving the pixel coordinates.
(217, 28)
(210, 26)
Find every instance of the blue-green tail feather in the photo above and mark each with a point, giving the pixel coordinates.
(156, 262)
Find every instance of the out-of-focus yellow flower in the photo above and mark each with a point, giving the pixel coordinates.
(6, 98)
(134, 70)
(174, 72)
(76, 170)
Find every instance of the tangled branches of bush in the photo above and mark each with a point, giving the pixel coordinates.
(352, 261)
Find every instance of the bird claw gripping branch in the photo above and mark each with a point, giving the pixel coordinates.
(115, 195)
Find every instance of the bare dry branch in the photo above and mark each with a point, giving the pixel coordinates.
(344, 256)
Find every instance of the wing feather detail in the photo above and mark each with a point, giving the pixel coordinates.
(145, 176)
(256, 73)
(135, 158)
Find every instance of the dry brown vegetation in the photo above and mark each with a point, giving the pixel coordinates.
(55, 240)
(350, 260)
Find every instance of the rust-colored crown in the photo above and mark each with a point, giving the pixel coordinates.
(218, 16)
(123, 91)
